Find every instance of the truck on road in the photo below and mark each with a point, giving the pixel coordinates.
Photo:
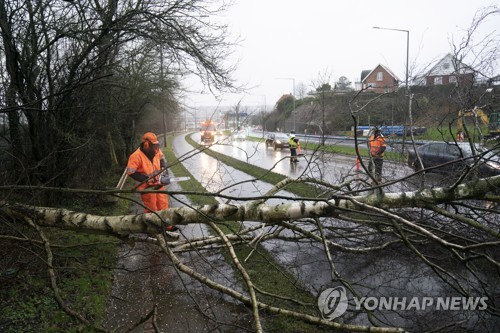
(208, 130)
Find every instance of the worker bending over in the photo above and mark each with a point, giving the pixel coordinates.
(147, 165)
(377, 147)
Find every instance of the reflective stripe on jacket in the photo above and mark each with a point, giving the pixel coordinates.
(376, 145)
(139, 162)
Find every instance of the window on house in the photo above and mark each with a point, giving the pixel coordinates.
(446, 65)
(438, 80)
(452, 79)
(380, 76)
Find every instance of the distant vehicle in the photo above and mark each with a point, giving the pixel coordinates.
(492, 121)
(433, 154)
(494, 124)
(208, 130)
(277, 141)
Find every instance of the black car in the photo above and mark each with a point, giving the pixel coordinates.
(277, 141)
(456, 157)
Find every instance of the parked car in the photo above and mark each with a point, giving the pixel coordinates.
(277, 141)
(433, 154)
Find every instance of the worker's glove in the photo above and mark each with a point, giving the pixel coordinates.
(165, 180)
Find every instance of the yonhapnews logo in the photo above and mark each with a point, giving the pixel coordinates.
(333, 303)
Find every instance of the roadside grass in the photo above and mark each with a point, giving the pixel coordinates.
(443, 134)
(84, 266)
(178, 170)
(265, 272)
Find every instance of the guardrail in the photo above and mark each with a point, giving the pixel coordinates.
(333, 139)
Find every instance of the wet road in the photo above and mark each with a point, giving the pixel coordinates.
(218, 177)
(332, 168)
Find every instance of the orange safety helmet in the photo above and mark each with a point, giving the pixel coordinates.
(149, 137)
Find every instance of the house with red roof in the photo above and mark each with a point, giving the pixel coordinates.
(380, 80)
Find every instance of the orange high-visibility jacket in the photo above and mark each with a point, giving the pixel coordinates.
(139, 162)
(376, 145)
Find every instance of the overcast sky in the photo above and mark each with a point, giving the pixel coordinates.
(309, 40)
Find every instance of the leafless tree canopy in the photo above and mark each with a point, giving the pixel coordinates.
(77, 75)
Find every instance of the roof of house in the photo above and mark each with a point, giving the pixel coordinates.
(385, 68)
(447, 66)
(364, 73)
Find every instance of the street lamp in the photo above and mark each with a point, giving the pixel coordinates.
(407, 50)
(192, 115)
(293, 112)
(263, 113)
(406, 80)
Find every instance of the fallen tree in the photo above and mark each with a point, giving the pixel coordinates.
(482, 189)
(430, 217)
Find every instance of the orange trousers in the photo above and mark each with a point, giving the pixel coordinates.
(155, 201)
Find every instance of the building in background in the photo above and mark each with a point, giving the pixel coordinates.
(379, 80)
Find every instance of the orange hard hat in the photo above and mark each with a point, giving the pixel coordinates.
(151, 137)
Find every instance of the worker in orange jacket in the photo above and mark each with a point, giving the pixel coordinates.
(145, 166)
(377, 146)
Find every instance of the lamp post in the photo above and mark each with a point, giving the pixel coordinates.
(263, 113)
(264, 116)
(192, 116)
(406, 79)
(293, 111)
(407, 51)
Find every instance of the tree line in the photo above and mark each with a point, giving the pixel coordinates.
(78, 76)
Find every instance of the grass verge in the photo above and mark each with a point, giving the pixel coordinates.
(300, 189)
(83, 264)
